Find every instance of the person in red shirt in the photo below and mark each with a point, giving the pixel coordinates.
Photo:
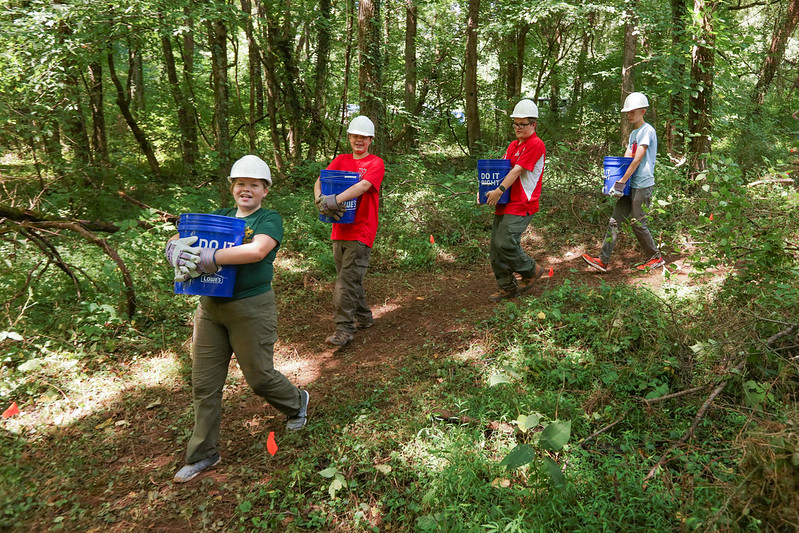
(527, 155)
(352, 243)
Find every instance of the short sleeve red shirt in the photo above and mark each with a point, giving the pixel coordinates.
(370, 168)
(526, 190)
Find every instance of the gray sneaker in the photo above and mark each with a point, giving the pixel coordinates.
(189, 472)
(299, 420)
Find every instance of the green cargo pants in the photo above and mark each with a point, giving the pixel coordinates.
(349, 298)
(506, 252)
(247, 327)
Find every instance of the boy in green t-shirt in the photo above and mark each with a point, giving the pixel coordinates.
(245, 323)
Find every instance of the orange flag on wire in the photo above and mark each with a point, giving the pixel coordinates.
(711, 216)
(551, 271)
(432, 240)
(271, 445)
(11, 411)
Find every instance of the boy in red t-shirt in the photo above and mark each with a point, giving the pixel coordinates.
(527, 155)
(352, 243)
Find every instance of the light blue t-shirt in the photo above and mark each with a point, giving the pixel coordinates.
(644, 175)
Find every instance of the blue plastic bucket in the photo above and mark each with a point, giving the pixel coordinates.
(615, 167)
(214, 231)
(336, 182)
(490, 173)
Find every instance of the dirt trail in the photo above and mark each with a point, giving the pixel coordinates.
(441, 310)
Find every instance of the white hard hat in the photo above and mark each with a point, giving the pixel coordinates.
(525, 109)
(635, 101)
(251, 166)
(362, 126)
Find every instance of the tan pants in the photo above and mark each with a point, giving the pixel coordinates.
(247, 327)
(349, 297)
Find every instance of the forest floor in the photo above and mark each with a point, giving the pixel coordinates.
(110, 468)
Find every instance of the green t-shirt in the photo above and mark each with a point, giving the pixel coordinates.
(256, 278)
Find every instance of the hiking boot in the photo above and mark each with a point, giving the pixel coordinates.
(655, 262)
(595, 262)
(502, 294)
(525, 284)
(189, 472)
(299, 420)
(339, 338)
(365, 324)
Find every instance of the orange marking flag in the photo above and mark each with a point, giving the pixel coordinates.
(551, 271)
(432, 240)
(271, 445)
(11, 411)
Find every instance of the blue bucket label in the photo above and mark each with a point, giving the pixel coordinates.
(490, 174)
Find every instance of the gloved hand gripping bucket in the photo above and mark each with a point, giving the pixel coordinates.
(615, 167)
(213, 231)
(336, 182)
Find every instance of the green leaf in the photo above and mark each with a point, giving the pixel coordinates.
(336, 485)
(556, 435)
(328, 472)
(519, 456)
(245, 506)
(528, 422)
(555, 473)
(496, 379)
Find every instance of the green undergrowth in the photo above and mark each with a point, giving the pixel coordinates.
(559, 425)
(556, 419)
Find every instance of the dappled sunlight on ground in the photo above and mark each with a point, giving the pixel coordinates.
(80, 394)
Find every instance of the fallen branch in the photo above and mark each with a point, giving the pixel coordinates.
(167, 217)
(699, 416)
(766, 181)
(127, 279)
(599, 432)
(443, 415)
(676, 394)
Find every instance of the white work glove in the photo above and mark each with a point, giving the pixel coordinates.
(184, 273)
(618, 189)
(179, 252)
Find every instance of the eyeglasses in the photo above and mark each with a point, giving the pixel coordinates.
(518, 126)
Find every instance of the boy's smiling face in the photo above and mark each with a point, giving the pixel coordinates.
(359, 144)
(248, 194)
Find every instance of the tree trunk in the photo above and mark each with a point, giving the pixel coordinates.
(411, 13)
(124, 107)
(627, 67)
(473, 135)
(784, 28)
(188, 146)
(554, 75)
(74, 128)
(272, 90)
(254, 74)
(347, 68)
(315, 132)
(294, 107)
(191, 143)
(136, 78)
(370, 74)
(578, 83)
(675, 137)
(217, 42)
(700, 105)
(99, 138)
